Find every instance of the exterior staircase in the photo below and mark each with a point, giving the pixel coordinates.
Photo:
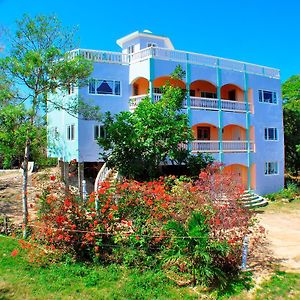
(251, 200)
(105, 174)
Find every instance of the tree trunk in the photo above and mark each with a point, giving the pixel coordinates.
(25, 188)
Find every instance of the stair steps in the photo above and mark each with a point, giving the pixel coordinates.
(251, 200)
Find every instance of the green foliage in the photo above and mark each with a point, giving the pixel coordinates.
(14, 127)
(137, 143)
(39, 61)
(291, 117)
(193, 249)
(289, 193)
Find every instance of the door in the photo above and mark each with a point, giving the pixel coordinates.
(203, 133)
(232, 95)
(236, 134)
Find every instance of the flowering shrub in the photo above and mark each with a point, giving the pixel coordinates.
(193, 228)
(65, 224)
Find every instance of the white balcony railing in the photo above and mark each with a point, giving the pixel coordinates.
(198, 103)
(177, 56)
(101, 56)
(227, 146)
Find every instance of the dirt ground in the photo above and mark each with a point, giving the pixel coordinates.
(282, 222)
(283, 234)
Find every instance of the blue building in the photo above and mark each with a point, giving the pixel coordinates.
(234, 108)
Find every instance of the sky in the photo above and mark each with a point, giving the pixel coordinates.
(265, 32)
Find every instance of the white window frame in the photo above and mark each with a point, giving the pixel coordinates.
(267, 136)
(274, 97)
(267, 167)
(109, 95)
(70, 132)
(98, 128)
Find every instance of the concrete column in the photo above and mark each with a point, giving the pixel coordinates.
(220, 113)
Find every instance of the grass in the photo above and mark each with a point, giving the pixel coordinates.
(21, 280)
(281, 286)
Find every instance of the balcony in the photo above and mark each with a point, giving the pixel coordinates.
(198, 103)
(174, 55)
(214, 146)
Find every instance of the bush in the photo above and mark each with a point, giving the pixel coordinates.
(192, 229)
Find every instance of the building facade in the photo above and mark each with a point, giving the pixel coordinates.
(234, 108)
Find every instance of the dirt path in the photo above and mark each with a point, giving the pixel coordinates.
(283, 234)
(11, 195)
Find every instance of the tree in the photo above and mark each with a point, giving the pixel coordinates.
(137, 143)
(14, 125)
(291, 118)
(39, 64)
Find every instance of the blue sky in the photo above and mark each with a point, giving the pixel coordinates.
(265, 32)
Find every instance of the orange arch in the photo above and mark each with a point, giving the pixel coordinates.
(161, 81)
(140, 86)
(212, 131)
(232, 92)
(203, 86)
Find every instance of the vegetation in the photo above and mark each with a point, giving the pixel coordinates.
(138, 143)
(14, 125)
(290, 193)
(67, 280)
(170, 225)
(291, 118)
(38, 64)
(282, 285)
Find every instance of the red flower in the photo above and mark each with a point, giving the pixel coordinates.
(110, 216)
(218, 221)
(95, 222)
(137, 238)
(149, 202)
(114, 207)
(60, 219)
(67, 203)
(52, 177)
(15, 252)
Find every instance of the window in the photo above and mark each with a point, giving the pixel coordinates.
(271, 134)
(99, 132)
(71, 89)
(208, 95)
(267, 96)
(105, 87)
(71, 132)
(271, 168)
(130, 49)
(151, 45)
